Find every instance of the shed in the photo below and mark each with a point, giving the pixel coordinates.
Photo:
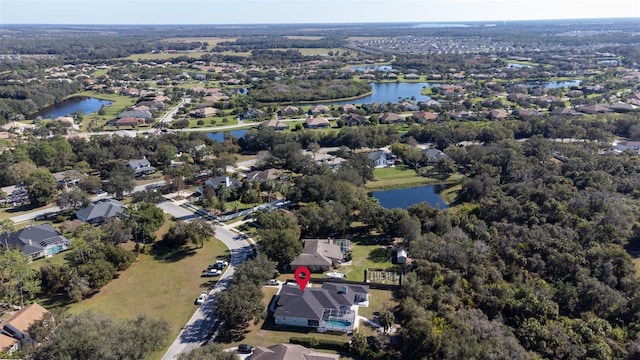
(401, 256)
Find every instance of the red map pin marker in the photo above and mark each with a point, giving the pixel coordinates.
(302, 276)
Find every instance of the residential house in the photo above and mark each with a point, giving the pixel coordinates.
(622, 107)
(289, 110)
(412, 77)
(319, 109)
(347, 108)
(130, 92)
(433, 155)
(100, 210)
(152, 104)
(144, 114)
(334, 306)
(36, 241)
(565, 111)
(264, 175)
(594, 109)
(461, 115)
(355, 120)
(223, 181)
(252, 113)
(424, 116)
(391, 118)
(407, 106)
(319, 255)
(623, 146)
(289, 352)
(526, 113)
(382, 158)
(141, 167)
(17, 126)
(549, 99)
(498, 114)
(316, 123)
(14, 330)
(68, 178)
(200, 77)
(130, 121)
(275, 125)
(204, 112)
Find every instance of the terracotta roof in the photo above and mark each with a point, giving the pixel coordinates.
(22, 319)
(7, 342)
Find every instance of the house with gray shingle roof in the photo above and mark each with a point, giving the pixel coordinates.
(36, 241)
(100, 210)
(334, 306)
(318, 255)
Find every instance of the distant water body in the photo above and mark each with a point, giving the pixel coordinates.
(86, 105)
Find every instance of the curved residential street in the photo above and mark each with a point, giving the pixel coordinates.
(195, 332)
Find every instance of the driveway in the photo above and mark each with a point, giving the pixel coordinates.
(177, 211)
(195, 333)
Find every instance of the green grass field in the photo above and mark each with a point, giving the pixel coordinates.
(164, 56)
(118, 105)
(161, 285)
(399, 176)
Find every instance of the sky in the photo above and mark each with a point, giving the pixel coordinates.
(223, 12)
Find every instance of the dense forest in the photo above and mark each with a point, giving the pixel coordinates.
(309, 90)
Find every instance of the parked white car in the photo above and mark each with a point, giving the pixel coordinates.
(222, 263)
(211, 272)
(201, 298)
(335, 275)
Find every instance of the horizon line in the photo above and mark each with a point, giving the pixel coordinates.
(326, 23)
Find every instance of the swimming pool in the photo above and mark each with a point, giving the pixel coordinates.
(338, 323)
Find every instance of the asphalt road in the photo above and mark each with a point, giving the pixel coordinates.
(33, 214)
(195, 332)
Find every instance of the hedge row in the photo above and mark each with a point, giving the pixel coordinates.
(315, 343)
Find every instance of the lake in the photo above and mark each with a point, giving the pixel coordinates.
(86, 105)
(389, 92)
(219, 136)
(403, 198)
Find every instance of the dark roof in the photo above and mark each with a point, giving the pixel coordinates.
(100, 209)
(33, 239)
(311, 302)
(289, 352)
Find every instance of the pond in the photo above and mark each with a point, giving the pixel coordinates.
(403, 198)
(554, 84)
(389, 92)
(219, 136)
(385, 68)
(518, 66)
(86, 105)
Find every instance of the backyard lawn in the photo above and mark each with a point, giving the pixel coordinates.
(160, 284)
(398, 176)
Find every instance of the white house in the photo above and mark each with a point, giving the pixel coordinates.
(382, 158)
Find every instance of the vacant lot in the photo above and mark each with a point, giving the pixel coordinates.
(161, 284)
(399, 176)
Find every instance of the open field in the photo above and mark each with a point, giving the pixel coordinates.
(164, 56)
(212, 41)
(160, 284)
(304, 37)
